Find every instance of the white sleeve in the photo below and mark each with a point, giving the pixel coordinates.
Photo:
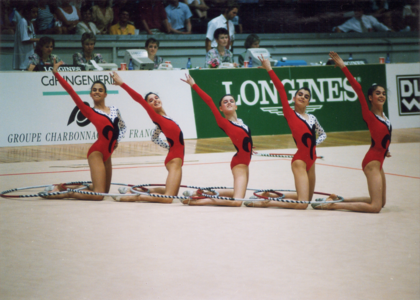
(320, 131)
(347, 26)
(377, 25)
(23, 30)
(211, 27)
(155, 138)
(121, 126)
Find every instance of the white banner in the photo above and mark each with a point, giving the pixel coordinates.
(404, 105)
(36, 110)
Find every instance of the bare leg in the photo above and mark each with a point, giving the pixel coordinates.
(305, 185)
(375, 178)
(98, 173)
(173, 181)
(240, 182)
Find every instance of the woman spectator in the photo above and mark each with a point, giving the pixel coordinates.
(152, 46)
(43, 53)
(219, 55)
(86, 25)
(102, 15)
(69, 15)
(25, 37)
(46, 22)
(88, 45)
(252, 41)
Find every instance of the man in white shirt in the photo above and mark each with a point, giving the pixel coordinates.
(222, 21)
(361, 23)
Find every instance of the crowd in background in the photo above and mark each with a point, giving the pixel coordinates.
(28, 20)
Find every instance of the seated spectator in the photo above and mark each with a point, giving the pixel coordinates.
(361, 23)
(88, 45)
(199, 8)
(252, 41)
(153, 17)
(42, 55)
(6, 25)
(85, 25)
(152, 46)
(179, 16)
(130, 6)
(69, 16)
(102, 15)
(46, 22)
(222, 21)
(122, 27)
(25, 37)
(220, 54)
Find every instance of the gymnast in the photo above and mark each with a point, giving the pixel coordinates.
(380, 131)
(303, 127)
(240, 136)
(110, 128)
(175, 158)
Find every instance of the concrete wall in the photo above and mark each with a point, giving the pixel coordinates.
(403, 47)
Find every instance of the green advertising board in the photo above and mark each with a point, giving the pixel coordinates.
(333, 102)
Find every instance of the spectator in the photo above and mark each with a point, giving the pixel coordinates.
(361, 23)
(69, 16)
(222, 21)
(46, 22)
(16, 15)
(88, 45)
(6, 25)
(179, 16)
(25, 37)
(153, 17)
(199, 7)
(122, 27)
(252, 41)
(130, 6)
(85, 25)
(152, 46)
(102, 15)
(219, 54)
(42, 55)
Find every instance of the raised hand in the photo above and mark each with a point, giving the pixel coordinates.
(56, 66)
(337, 59)
(265, 63)
(188, 80)
(117, 79)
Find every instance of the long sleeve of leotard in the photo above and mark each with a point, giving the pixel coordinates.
(121, 126)
(358, 89)
(86, 110)
(209, 101)
(282, 93)
(320, 131)
(139, 99)
(157, 140)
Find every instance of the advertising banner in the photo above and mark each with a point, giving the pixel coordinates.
(333, 102)
(36, 110)
(403, 82)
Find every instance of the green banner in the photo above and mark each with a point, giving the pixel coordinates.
(333, 102)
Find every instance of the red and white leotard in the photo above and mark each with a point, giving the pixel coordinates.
(110, 128)
(239, 133)
(170, 129)
(380, 128)
(303, 131)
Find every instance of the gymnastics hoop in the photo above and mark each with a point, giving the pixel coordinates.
(233, 199)
(317, 201)
(3, 194)
(142, 186)
(90, 192)
(280, 155)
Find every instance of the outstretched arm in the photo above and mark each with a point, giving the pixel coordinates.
(86, 110)
(265, 64)
(136, 96)
(355, 85)
(206, 98)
